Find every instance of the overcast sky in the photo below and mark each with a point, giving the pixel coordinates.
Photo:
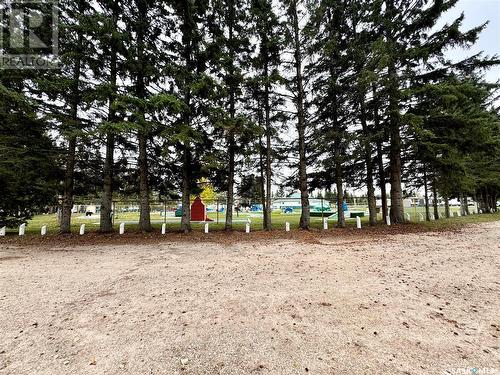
(477, 12)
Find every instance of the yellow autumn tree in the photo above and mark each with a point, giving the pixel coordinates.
(208, 194)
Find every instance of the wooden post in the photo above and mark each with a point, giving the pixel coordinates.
(163, 228)
(43, 230)
(22, 229)
(206, 227)
(82, 229)
(358, 222)
(287, 226)
(388, 220)
(164, 213)
(122, 228)
(325, 223)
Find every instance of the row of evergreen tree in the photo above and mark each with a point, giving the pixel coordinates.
(153, 95)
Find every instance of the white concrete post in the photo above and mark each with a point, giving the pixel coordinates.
(247, 228)
(388, 220)
(287, 227)
(43, 230)
(22, 228)
(480, 211)
(163, 228)
(2, 231)
(421, 217)
(408, 217)
(82, 229)
(358, 222)
(459, 213)
(206, 227)
(122, 228)
(325, 223)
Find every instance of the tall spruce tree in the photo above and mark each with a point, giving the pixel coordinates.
(327, 27)
(267, 29)
(196, 90)
(110, 36)
(145, 54)
(363, 78)
(230, 25)
(29, 167)
(411, 43)
(68, 89)
(296, 40)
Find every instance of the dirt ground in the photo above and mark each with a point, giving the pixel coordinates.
(414, 303)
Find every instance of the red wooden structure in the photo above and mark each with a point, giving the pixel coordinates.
(199, 210)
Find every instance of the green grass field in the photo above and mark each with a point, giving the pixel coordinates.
(278, 219)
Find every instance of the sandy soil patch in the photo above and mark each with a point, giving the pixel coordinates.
(417, 303)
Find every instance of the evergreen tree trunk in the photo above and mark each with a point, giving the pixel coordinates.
(301, 120)
(466, 204)
(487, 201)
(337, 160)
(338, 183)
(462, 203)
(67, 203)
(186, 192)
(382, 182)
(231, 138)
(230, 183)
(484, 200)
(434, 199)
(380, 159)
(492, 202)
(187, 53)
(397, 209)
(144, 214)
(106, 219)
(262, 183)
(426, 196)
(447, 206)
(267, 110)
(144, 211)
(372, 202)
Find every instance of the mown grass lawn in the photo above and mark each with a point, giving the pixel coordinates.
(239, 221)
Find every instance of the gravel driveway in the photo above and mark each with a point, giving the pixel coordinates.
(418, 303)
